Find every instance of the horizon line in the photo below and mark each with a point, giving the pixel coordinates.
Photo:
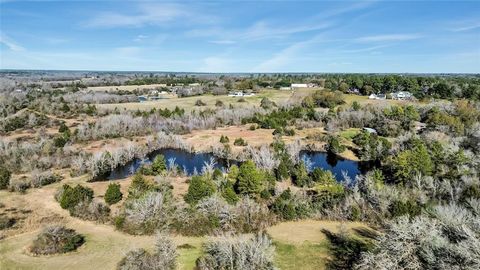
(2, 70)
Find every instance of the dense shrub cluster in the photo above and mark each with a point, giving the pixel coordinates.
(113, 194)
(324, 99)
(449, 240)
(56, 239)
(70, 197)
(45, 178)
(280, 118)
(23, 120)
(163, 258)
(199, 187)
(334, 146)
(372, 146)
(290, 207)
(240, 142)
(149, 207)
(79, 202)
(238, 252)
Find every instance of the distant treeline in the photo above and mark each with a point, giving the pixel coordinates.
(445, 86)
(162, 80)
(451, 86)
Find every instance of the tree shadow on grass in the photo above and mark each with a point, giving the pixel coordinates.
(346, 250)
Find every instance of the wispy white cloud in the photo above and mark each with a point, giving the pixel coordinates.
(265, 30)
(128, 51)
(466, 27)
(260, 30)
(367, 49)
(350, 7)
(387, 38)
(223, 41)
(148, 14)
(287, 56)
(10, 43)
(140, 38)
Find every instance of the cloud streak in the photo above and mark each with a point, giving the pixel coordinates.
(387, 38)
(148, 14)
(10, 44)
(468, 27)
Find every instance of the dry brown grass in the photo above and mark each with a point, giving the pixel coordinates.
(105, 246)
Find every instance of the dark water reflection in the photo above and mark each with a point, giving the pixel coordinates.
(333, 163)
(194, 162)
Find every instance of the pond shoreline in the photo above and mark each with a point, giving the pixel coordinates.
(192, 162)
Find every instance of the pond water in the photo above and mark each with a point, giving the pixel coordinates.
(191, 162)
(332, 163)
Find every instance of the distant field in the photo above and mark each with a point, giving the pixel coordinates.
(188, 103)
(124, 87)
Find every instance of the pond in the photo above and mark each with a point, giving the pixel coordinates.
(333, 163)
(191, 162)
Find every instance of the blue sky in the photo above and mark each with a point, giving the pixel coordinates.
(242, 36)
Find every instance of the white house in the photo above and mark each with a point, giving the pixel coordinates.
(377, 97)
(236, 94)
(299, 85)
(402, 95)
(240, 94)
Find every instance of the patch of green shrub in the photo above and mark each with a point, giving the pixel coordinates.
(139, 186)
(300, 175)
(324, 99)
(334, 146)
(199, 187)
(113, 194)
(224, 139)
(240, 142)
(250, 179)
(159, 164)
(71, 197)
(401, 208)
(287, 207)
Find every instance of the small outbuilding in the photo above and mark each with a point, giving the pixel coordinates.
(370, 130)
